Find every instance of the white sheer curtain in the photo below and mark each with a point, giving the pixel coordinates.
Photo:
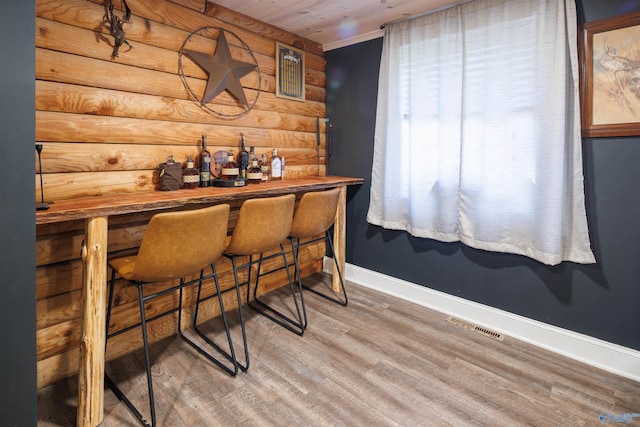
(477, 133)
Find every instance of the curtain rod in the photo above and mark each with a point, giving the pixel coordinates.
(428, 12)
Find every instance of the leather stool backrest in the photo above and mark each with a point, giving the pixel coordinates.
(315, 213)
(177, 244)
(262, 225)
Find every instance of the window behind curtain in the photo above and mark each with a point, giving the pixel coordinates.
(477, 133)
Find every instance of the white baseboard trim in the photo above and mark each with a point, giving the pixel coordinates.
(602, 354)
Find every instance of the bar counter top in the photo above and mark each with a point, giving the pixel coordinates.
(118, 204)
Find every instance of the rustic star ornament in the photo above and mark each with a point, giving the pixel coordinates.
(224, 72)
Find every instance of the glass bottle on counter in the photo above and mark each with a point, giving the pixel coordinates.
(243, 159)
(282, 167)
(230, 170)
(204, 163)
(264, 167)
(254, 173)
(190, 175)
(275, 164)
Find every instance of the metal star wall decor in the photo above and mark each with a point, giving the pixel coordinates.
(223, 72)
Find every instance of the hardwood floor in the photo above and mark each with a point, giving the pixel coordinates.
(380, 361)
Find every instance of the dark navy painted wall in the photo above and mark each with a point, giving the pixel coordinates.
(600, 300)
(18, 407)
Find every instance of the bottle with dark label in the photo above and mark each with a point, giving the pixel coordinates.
(243, 159)
(254, 173)
(264, 166)
(275, 165)
(190, 175)
(204, 163)
(230, 170)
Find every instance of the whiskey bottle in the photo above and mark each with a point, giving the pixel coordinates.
(276, 165)
(243, 159)
(264, 167)
(190, 175)
(254, 173)
(230, 169)
(204, 162)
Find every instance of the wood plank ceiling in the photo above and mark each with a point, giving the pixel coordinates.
(333, 23)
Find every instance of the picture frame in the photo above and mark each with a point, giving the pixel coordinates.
(290, 72)
(609, 58)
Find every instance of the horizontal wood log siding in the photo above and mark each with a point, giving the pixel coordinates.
(106, 125)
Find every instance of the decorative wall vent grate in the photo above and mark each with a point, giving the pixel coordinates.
(473, 327)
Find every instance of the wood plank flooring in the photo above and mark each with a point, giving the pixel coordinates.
(380, 361)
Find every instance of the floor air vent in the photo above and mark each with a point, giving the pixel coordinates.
(473, 327)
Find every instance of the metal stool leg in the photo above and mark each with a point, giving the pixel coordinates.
(244, 367)
(296, 275)
(295, 246)
(116, 390)
(230, 355)
(295, 326)
(335, 262)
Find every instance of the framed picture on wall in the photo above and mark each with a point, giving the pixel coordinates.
(289, 72)
(609, 52)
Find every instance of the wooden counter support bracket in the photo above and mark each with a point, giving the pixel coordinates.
(339, 238)
(93, 332)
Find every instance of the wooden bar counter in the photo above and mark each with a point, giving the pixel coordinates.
(96, 212)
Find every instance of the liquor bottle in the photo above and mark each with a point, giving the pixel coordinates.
(264, 167)
(204, 162)
(275, 165)
(254, 173)
(243, 159)
(190, 175)
(282, 167)
(230, 169)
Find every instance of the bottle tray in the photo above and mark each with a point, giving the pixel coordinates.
(219, 182)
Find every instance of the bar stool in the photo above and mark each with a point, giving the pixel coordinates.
(174, 245)
(314, 216)
(262, 225)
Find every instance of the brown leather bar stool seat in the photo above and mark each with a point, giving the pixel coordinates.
(262, 225)
(313, 217)
(174, 245)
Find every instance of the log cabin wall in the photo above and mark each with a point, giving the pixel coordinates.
(106, 124)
